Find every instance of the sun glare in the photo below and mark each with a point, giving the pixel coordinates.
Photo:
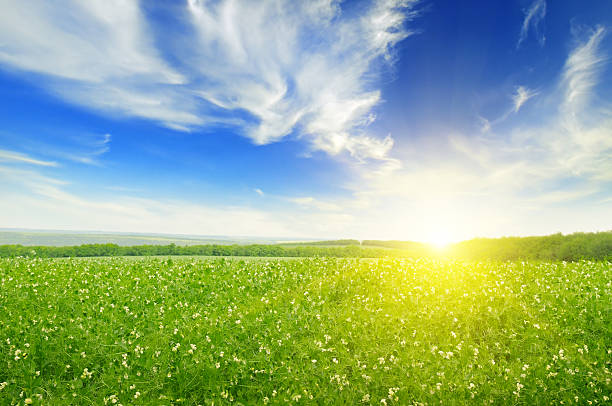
(439, 239)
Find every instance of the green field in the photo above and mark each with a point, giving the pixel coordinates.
(189, 331)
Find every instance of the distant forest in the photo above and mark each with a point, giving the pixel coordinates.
(557, 247)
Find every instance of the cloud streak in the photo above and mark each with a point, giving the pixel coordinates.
(96, 149)
(17, 157)
(534, 15)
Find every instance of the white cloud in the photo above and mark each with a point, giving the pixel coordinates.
(581, 72)
(301, 66)
(91, 41)
(98, 53)
(521, 95)
(282, 67)
(534, 15)
(259, 191)
(17, 157)
(586, 145)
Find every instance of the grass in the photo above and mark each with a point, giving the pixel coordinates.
(189, 331)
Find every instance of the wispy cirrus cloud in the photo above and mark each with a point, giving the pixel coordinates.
(269, 69)
(521, 95)
(90, 150)
(61, 145)
(534, 16)
(99, 54)
(18, 157)
(573, 142)
(581, 72)
(299, 66)
(90, 41)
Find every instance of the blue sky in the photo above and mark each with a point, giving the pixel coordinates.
(396, 119)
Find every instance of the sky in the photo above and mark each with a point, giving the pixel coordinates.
(431, 120)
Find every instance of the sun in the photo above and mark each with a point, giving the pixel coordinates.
(439, 239)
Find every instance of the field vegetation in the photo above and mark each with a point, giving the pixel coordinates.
(187, 331)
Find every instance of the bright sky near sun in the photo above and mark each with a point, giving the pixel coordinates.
(395, 119)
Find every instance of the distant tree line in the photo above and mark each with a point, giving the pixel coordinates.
(401, 245)
(255, 250)
(557, 247)
(327, 242)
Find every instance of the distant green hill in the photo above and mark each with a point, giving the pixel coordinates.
(59, 239)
